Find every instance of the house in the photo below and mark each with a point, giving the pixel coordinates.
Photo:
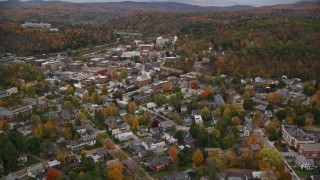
(80, 129)
(37, 171)
(79, 92)
(254, 147)
(136, 149)
(72, 161)
(188, 139)
(112, 120)
(187, 121)
(142, 98)
(310, 151)
(24, 128)
(22, 159)
(294, 136)
(100, 154)
(244, 132)
(143, 80)
(150, 145)
(169, 138)
(305, 164)
(115, 129)
(165, 125)
(54, 164)
(66, 117)
(198, 120)
(124, 136)
(86, 140)
(158, 163)
(37, 104)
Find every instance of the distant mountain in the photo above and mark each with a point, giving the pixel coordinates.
(61, 11)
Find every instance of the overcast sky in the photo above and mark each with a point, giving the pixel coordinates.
(210, 2)
(202, 2)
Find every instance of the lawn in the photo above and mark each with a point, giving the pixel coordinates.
(31, 161)
(303, 174)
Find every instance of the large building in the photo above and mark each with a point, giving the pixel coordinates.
(295, 136)
(36, 25)
(310, 151)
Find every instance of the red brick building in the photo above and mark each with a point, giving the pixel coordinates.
(310, 151)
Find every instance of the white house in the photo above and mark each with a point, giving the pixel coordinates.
(198, 119)
(124, 136)
(244, 132)
(305, 164)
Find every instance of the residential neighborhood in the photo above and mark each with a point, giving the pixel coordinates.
(125, 108)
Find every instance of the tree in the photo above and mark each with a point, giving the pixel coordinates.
(227, 111)
(217, 112)
(83, 118)
(176, 118)
(173, 152)
(132, 106)
(167, 87)
(85, 97)
(288, 120)
(269, 159)
(230, 157)
(205, 113)
(247, 104)
(207, 93)
(212, 169)
(53, 174)
(70, 90)
(235, 121)
(4, 125)
(104, 88)
(115, 171)
(95, 98)
(197, 157)
(216, 133)
(124, 73)
(275, 97)
(300, 120)
(135, 123)
(256, 118)
(160, 99)
(111, 110)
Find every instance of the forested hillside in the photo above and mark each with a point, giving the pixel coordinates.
(258, 47)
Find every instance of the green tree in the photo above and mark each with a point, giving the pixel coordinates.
(205, 114)
(270, 159)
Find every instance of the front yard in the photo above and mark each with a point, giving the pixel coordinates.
(303, 174)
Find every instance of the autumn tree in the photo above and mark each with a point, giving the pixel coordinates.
(115, 171)
(104, 88)
(230, 158)
(135, 123)
(95, 98)
(235, 121)
(53, 174)
(111, 110)
(257, 118)
(269, 159)
(205, 113)
(132, 107)
(173, 152)
(4, 125)
(166, 87)
(85, 97)
(275, 98)
(176, 118)
(218, 112)
(197, 157)
(207, 93)
(70, 90)
(227, 111)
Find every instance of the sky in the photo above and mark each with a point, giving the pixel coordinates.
(256, 3)
(210, 2)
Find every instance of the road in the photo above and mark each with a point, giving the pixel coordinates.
(268, 144)
(117, 148)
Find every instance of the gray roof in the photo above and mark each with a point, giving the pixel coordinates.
(159, 160)
(310, 147)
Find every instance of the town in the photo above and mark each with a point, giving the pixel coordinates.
(126, 108)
